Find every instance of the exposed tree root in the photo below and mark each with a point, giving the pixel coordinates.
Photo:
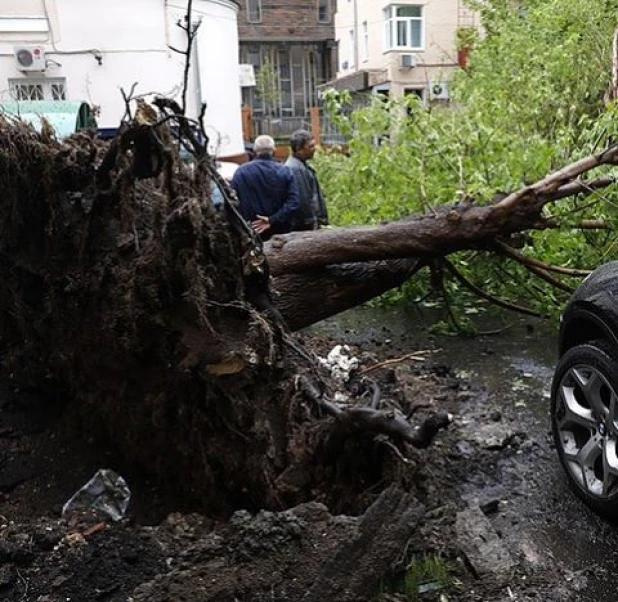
(394, 424)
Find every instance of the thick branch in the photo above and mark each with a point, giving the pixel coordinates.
(308, 297)
(580, 187)
(549, 185)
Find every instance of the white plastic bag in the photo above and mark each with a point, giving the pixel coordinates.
(106, 492)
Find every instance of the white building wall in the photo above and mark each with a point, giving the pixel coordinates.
(434, 62)
(100, 47)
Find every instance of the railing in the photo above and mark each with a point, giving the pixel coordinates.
(281, 128)
(329, 133)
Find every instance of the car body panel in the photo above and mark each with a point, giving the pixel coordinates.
(592, 311)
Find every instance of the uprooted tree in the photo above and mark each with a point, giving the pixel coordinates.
(168, 325)
(123, 286)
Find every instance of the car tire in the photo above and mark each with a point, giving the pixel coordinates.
(584, 417)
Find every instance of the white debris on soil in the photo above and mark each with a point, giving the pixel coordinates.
(340, 363)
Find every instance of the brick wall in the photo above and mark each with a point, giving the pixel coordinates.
(294, 20)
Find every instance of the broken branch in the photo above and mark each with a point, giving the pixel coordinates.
(417, 356)
(531, 261)
(367, 419)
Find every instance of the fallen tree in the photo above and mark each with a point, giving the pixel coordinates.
(127, 291)
(150, 312)
(123, 286)
(306, 264)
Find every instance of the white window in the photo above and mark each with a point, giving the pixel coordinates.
(58, 90)
(351, 49)
(404, 27)
(16, 24)
(364, 42)
(254, 11)
(324, 11)
(41, 89)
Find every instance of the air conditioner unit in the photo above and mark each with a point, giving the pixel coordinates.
(439, 91)
(407, 61)
(30, 58)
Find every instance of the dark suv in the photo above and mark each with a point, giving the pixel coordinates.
(584, 397)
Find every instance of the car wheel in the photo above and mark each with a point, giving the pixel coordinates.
(584, 416)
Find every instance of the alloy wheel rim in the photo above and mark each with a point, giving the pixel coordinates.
(586, 420)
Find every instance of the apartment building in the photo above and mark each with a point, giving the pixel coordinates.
(400, 47)
(294, 42)
(86, 50)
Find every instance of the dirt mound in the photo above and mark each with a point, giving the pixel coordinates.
(307, 550)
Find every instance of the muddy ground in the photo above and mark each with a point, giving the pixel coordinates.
(485, 504)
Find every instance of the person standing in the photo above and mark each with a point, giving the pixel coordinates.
(312, 213)
(267, 191)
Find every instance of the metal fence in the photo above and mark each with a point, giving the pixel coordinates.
(329, 133)
(281, 128)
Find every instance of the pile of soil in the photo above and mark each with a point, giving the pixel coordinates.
(328, 548)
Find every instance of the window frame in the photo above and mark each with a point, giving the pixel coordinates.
(327, 6)
(364, 42)
(52, 89)
(392, 22)
(257, 5)
(352, 48)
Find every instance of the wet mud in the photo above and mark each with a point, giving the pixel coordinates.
(502, 442)
(487, 498)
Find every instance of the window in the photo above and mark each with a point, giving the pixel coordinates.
(28, 91)
(298, 69)
(58, 91)
(254, 11)
(324, 12)
(44, 89)
(418, 93)
(364, 42)
(404, 27)
(351, 49)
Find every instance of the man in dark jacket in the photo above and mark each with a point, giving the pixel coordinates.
(267, 191)
(312, 212)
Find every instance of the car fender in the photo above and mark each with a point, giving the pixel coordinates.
(589, 319)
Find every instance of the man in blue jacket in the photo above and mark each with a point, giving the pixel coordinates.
(267, 191)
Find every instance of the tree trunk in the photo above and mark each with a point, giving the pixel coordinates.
(304, 298)
(320, 273)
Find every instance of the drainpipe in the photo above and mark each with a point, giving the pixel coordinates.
(356, 55)
(166, 18)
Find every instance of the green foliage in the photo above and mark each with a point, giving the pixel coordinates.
(427, 573)
(540, 69)
(466, 37)
(531, 101)
(267, 87)
(430, 570)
